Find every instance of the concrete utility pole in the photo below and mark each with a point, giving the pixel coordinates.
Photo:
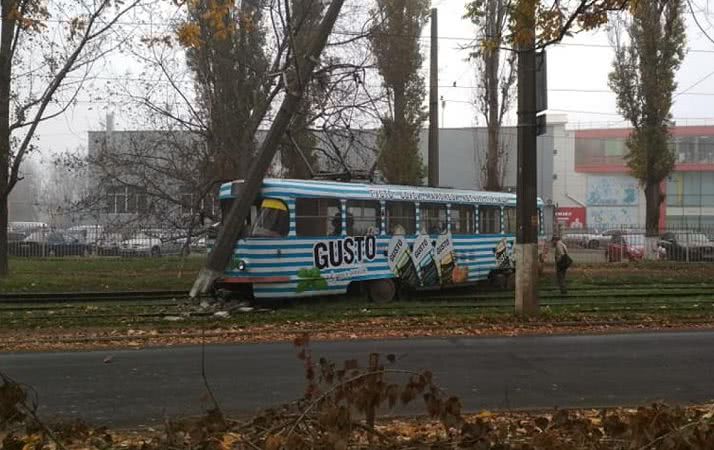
(526, 193)
(220, 256)
(434, 104)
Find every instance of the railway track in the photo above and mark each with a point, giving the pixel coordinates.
(160, 306)
(482, 292)
(89, 297)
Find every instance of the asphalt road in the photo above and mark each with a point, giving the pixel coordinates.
(145, 386)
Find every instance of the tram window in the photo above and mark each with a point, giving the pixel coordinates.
(363, 217)
(317, 217)
(462, 219)
(433, 218)
(401, 218)
(509, 216)
(489, 218)
(273, 219)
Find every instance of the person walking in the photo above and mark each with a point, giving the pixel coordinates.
(562, 262)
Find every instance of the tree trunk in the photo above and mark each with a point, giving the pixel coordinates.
(4, 266)
(399, 106)
(8, 29)
(396, 170)
(653, 199)
(493, 178)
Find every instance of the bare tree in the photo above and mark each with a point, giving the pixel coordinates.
(496, 76)
(61, 188)
(179, 164)
(36, 58)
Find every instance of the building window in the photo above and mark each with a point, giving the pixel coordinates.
(489, 218)
(116, 200)
(126, 200)
(318, 217)
(401, 218)
(433, 218)
(186, 201)
(462, 219)
(687, 149)
(363, 217)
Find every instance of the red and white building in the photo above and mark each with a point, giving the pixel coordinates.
(592, 180)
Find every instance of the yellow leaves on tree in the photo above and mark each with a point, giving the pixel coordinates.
(31, 17)
(522, 19)
(556, 19)
(213, 20)
(218, 18)
(189, 35)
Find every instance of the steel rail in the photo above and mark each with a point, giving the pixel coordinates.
(75, 297)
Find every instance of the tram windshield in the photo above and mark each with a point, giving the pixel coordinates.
(273, 219)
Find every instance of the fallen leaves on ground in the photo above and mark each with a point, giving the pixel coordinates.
(656, 427)
(368, 328)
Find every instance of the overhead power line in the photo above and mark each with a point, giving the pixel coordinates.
(356, 33)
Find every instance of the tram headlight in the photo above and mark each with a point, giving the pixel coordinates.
(241, 265)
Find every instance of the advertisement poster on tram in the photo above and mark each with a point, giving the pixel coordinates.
(401, 263)
(427, 263)
(424, 259)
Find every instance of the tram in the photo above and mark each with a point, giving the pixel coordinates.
(315, 238)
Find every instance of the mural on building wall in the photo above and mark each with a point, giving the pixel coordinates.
(602, 218)
(612, 190)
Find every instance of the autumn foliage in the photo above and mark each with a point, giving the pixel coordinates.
(339, 411)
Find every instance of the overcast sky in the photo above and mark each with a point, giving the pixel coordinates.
(577, 81)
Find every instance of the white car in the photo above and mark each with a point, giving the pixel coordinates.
(141, 244)
(584, 239)
(151, 242)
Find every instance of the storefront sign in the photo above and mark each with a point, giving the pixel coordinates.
(571, 217)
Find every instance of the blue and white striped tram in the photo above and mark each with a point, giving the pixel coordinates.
(309, 238)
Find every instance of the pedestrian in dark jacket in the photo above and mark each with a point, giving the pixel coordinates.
(562, 262)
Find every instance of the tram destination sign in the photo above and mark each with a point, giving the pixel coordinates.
(418, 195)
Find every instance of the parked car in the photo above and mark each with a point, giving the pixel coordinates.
(151, 242)
(109, 244)
(140, 244)
(26, 227)
(623, 246)
(88, 234)
(687, 246)
(50, 243)
(14, 238)
(584, 239)
(101, 241)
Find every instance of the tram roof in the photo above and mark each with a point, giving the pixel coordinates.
(290, 188)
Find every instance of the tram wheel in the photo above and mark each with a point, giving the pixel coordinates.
(381, 291)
